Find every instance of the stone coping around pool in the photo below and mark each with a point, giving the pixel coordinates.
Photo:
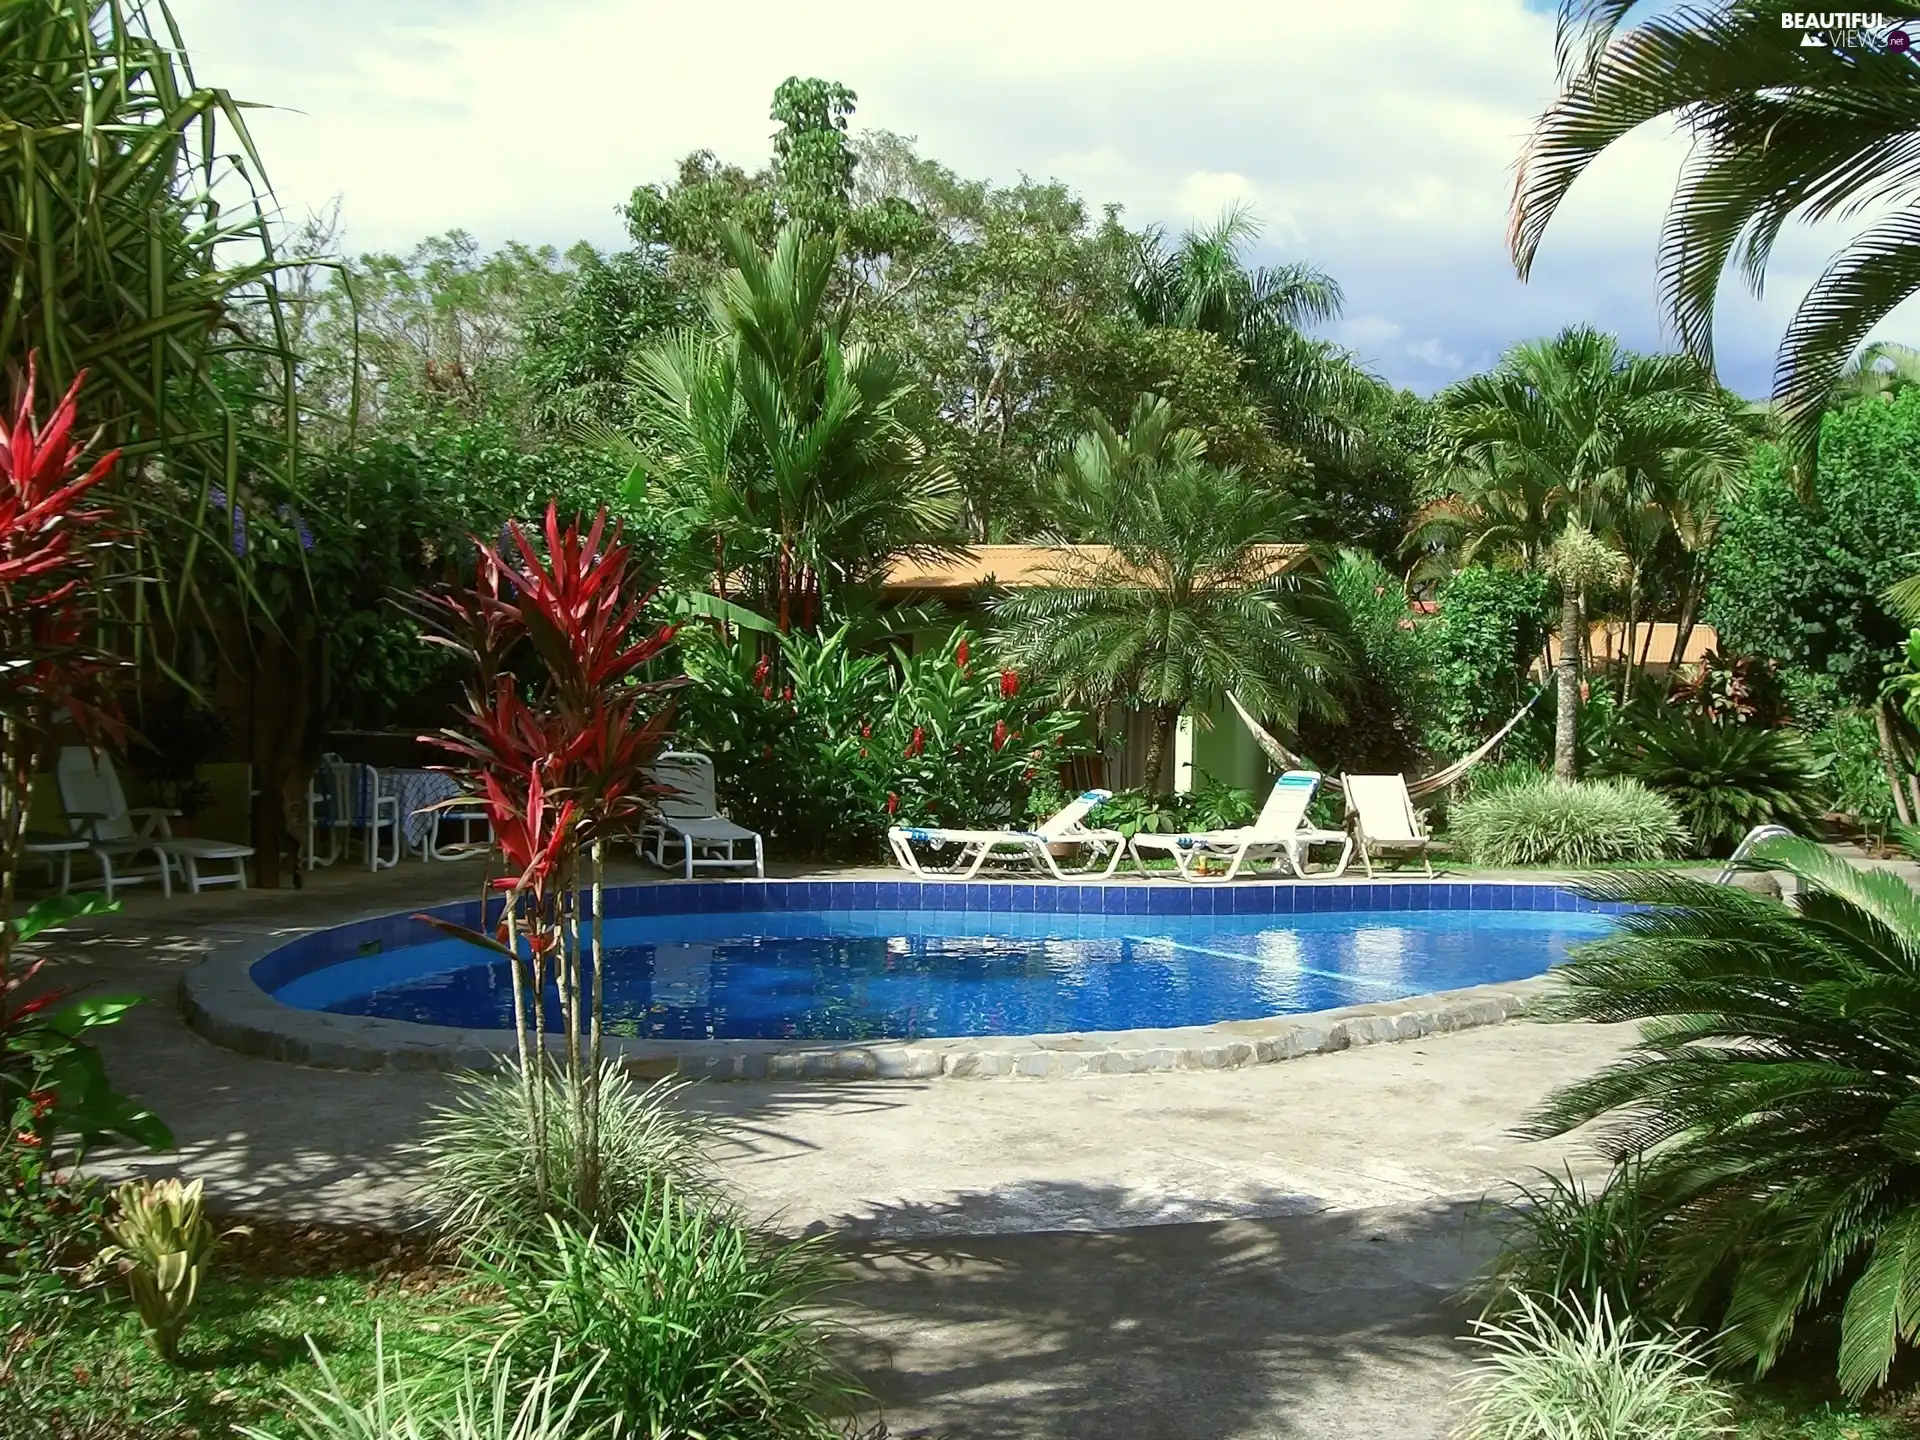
(226, 996)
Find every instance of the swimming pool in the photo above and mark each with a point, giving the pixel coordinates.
(845, 979)
(844, 975)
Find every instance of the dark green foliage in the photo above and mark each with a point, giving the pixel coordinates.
(1772, 1096)
(1800, 581)
(1211, 806)
(1563, 1239)
(1491, 625)
(1391, 691)
(820, 746)
(1724, 778)
(696, 1323)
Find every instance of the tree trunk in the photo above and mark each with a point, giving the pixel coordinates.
(283, 739)
(1890, 758)
(1159, 742)
(1566, 729)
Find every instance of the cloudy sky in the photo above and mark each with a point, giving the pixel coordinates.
(1376, 140)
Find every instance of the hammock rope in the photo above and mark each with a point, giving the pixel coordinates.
(1439, 780)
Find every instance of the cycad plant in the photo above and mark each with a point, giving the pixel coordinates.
(1724, 778)
(1773, 1097)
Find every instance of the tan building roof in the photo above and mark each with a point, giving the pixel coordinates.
(1608, 640)
(1027, 566)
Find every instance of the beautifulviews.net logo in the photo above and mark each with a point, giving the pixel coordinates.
(1849, 29)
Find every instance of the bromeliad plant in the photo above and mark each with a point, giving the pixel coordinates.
(163, 1243)
(561, 764)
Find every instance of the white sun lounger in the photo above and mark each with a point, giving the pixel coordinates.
(97, 812)
(690, 816)
(1278, 833)
(977, 847)
(1384, 819)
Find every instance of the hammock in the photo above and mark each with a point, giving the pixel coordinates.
(1440, 779)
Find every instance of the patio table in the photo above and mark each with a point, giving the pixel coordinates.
(417, 791)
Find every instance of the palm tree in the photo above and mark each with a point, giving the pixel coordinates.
(1554, 451)
(1193, 597)
(1780, 129)
(1879, 372)
(1312, 389)
(782, 445)
(1770, 1101)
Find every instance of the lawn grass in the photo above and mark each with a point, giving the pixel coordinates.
(95, 1378)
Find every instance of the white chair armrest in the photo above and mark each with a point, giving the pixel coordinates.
(156, 818)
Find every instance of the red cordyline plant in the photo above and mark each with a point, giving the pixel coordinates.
(561, 763)
(48, 671)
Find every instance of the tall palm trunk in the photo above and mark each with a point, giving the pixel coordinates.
(1159, 742)
(1566, 729)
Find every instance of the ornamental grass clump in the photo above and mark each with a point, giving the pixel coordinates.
(1554, 1370)
(481, 1155)
(1569, 823)
(1567, 1241)
(697, 1325)
(492, 1406)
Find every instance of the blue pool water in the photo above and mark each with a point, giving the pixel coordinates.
(906, 974)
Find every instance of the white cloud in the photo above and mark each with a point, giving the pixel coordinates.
(1377, 141)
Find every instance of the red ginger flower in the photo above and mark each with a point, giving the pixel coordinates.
(917, 743)
(893, 803)
(1009, 684)
(960, 656)
(760, 672)
(1000, 733)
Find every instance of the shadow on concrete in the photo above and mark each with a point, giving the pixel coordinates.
(1332, 1325)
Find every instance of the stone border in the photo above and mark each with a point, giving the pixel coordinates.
(222, 1001)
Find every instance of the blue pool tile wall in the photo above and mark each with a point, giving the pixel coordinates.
(321, 948)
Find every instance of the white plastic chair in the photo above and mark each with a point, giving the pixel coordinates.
(344, 798)
(97, 810)
(689, 816)
(1384, 818)
(977, 847)
(1279, 832)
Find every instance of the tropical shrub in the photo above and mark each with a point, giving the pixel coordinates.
(491, 1406)
(696, 1325)
(1212, 806)
(1798, 579)
(1547, 821)
(820, 747)
(1771, 1097)
(481, 1171)
(1390, 693)
(1724, 779)
(54, 1093)
(1582, 1371)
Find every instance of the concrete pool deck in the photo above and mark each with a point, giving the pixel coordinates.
(1260, 1252)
